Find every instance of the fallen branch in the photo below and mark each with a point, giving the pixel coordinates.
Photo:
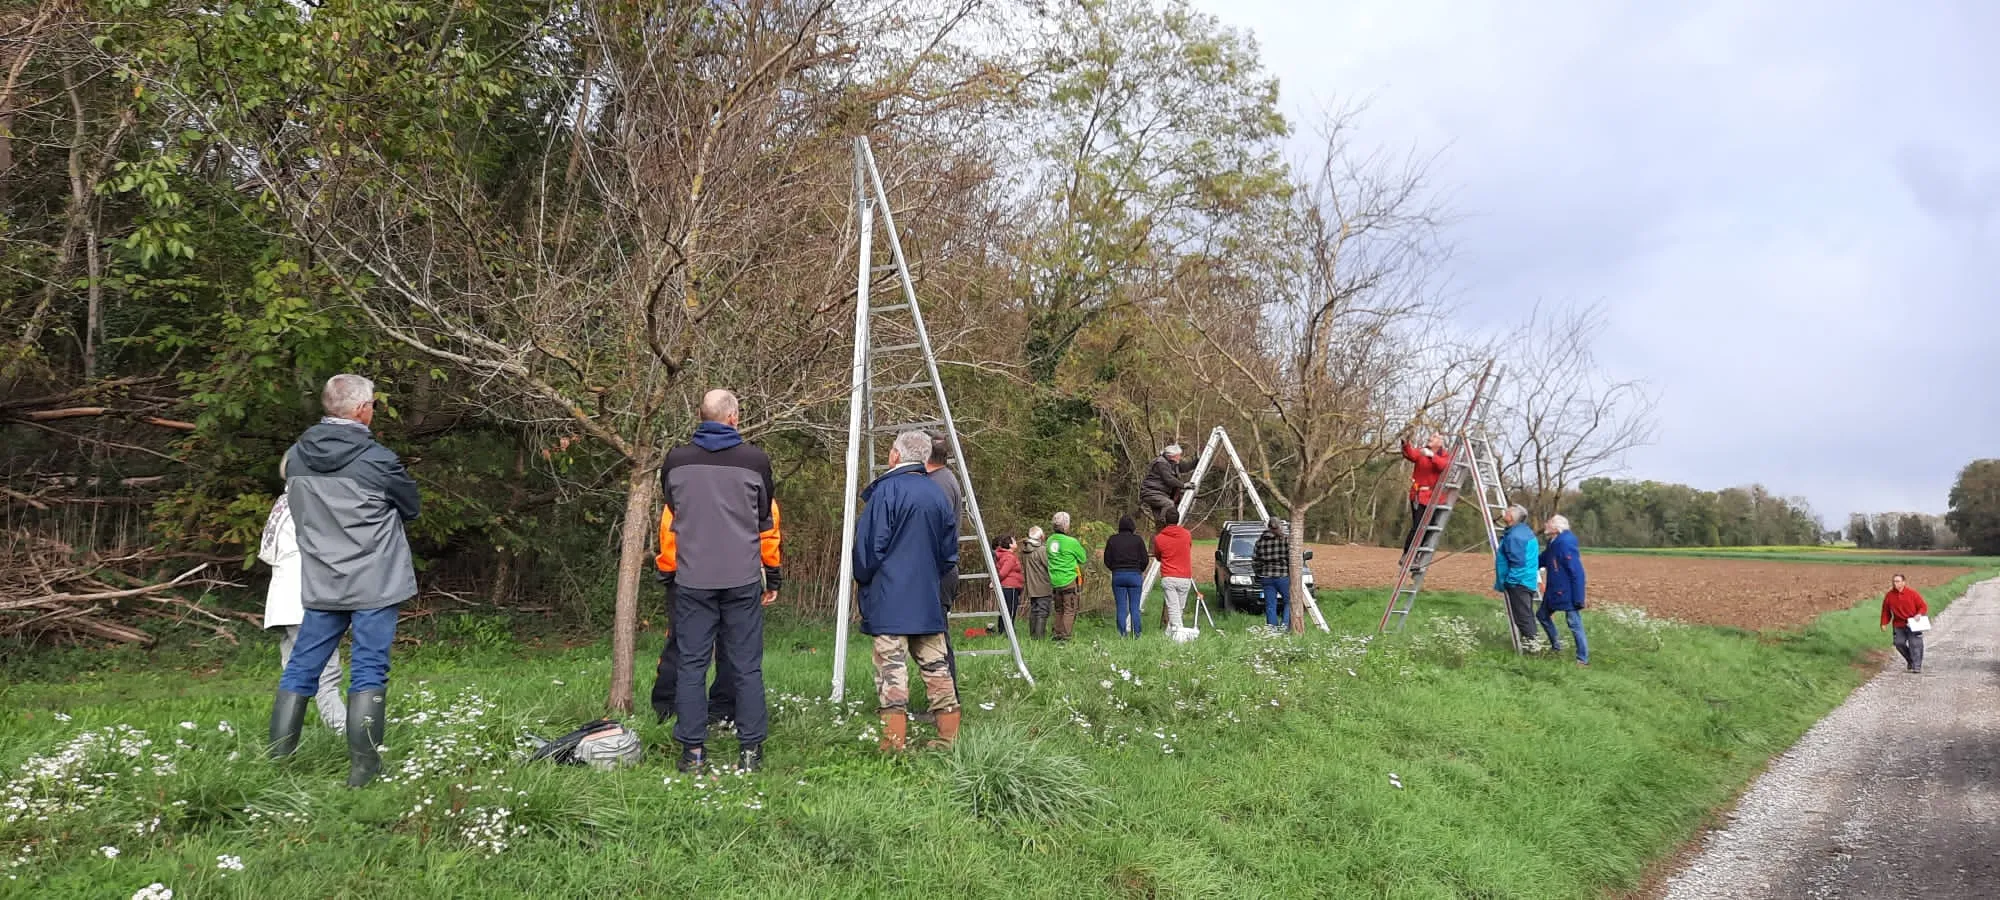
(50, 599)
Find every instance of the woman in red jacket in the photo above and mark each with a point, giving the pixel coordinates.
(1011, 577)
(1427, 465)
(1898, 607)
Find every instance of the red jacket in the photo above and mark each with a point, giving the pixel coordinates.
(1425, 472)
(1010, 568)
(1174, 547)
(1899, 606)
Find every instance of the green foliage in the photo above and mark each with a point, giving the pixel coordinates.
(1975, 506)
(1004, 776)
(1198, 753)
(1613, 513)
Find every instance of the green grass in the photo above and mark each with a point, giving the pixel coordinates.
(1240, 765)
(1811, 554)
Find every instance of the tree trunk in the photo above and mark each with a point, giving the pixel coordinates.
(1297, 616)
(632, 556)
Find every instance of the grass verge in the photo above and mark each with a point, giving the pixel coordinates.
(1433, 763)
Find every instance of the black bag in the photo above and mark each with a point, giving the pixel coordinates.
(602, 744)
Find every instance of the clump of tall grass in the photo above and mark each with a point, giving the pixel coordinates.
(1002, 775)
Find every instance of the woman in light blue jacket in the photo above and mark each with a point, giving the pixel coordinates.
(1514, 572)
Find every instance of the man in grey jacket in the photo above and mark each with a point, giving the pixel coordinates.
(349, 497)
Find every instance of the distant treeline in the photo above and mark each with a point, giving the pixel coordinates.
(1608, 512)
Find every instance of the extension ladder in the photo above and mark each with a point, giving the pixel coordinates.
(891, 383)
(1472, 458)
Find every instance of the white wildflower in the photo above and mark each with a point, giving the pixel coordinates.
(229, 863)
(187, 726)
(62, 717)
(109, 852)
(154, 891)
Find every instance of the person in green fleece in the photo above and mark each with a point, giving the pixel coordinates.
(1066, 560)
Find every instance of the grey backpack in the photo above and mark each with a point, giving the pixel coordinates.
(603, 744)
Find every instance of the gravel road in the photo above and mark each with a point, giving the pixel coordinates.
(1893, 795)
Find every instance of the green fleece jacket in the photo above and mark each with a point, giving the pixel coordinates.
(1066, 559)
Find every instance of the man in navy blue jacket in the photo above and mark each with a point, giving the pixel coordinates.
(905, 543)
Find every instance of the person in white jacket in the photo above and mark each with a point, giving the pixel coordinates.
(284, 607)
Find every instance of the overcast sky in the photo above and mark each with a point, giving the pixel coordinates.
(1790, 209)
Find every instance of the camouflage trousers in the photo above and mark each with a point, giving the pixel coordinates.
(892, 671)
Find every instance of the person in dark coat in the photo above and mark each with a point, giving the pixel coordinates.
(904, 543)
(721, 492)
(1162, 488)
(1126, 557)
(349, 498)
(1563, 591)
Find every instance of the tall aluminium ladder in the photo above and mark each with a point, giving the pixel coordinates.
(1472, 456)
(1220, 438)
(886, 397)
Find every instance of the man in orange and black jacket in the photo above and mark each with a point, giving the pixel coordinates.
(721, 699)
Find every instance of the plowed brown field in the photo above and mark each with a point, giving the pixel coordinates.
(1740, 593)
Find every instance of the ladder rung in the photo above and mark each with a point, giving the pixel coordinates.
(906, 426)
(967, 538)
(974, 576)
(914, 385)
(894, 307)
(882, 269)
(895, 348)
(975, 614)
(990, 651)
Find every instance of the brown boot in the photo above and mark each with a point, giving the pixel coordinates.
(895, 731)
(947, 726)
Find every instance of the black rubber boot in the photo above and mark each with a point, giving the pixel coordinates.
(693, 758)
(365, 722)
(1038, 625)
(751, 759)
(288, 715)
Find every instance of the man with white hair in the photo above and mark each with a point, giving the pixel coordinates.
(1162, 489)
(349, 497)
(1564, 591)
(1035, 580)
(1066, 561)
(905, 542)
(720, 492)
(1516, 571)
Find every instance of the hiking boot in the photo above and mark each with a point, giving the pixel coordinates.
(693, 759)
(365, 723)
(947, 726)
(895, 731)
(750, 758)
(288, 716)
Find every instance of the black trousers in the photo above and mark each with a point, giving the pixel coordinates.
(724, 624)
(1521, 609)
(1416, 518)
(666, 677)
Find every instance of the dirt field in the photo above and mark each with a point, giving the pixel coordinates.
(1742, 593)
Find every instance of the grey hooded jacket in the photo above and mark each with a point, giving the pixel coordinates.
(350, 497)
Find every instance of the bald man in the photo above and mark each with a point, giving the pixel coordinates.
(719, 491)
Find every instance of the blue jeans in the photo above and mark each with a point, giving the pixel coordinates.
(1125, 585)
(1278, 601)
(725, 625)
(1546, 616)
(372, 630)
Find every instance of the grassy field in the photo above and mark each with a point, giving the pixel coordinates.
(1429, 764)
(1813, 554)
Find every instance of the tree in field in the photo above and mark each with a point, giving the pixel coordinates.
(1975, 507)
(1858, 530)
(1915, 533)
(1558, 417)
(1323, 352)
(594, 212)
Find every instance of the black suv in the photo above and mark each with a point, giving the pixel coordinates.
(1235, 581)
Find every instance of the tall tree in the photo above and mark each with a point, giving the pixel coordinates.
(1559, 418)
(1323, 352)
(1975, 506)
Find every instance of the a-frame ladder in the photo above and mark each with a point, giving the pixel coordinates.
(1219, 439)
(1472, 457)
(891, 383)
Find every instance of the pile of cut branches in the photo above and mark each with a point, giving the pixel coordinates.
(49, 590)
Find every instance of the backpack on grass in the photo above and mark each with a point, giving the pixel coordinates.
(603, 744)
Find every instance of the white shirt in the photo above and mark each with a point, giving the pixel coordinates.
(284, 604)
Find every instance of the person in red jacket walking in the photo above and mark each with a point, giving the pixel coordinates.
(1428, 464)
(1899, 606)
